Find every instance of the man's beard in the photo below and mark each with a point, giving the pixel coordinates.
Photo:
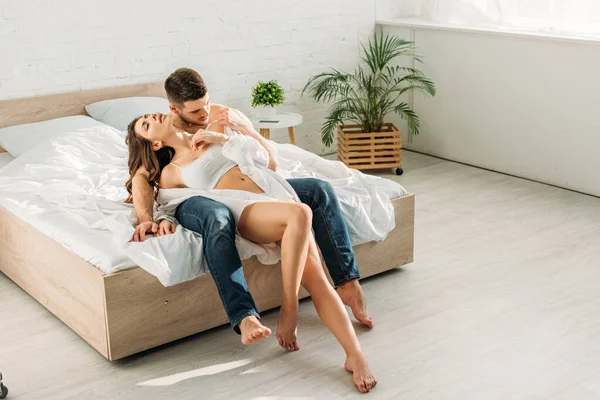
(200, 124)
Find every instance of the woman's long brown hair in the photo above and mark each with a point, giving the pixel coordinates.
(141, 154)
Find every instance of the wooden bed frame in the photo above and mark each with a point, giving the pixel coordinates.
(130, 311)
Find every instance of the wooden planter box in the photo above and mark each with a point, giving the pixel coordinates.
(374, 150)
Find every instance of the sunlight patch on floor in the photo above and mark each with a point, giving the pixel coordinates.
(206, 371)
(282, 398)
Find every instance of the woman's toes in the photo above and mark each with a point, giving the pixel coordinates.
(363, 387)
(371, 383)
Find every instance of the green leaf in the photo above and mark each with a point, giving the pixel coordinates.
(367, 95)
(411, 118)
(267, 94)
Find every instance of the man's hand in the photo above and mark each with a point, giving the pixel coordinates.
(165, 227)
(234, 120)
(139, 235)
(204, 137)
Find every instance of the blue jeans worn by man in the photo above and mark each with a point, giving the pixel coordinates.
(215, 223)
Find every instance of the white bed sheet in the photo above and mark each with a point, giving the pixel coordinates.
(5, 158)
(73, 191)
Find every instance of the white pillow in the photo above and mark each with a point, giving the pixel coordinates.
(20, 138)
(119, 113)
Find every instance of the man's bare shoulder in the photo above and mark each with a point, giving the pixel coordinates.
(218, 107)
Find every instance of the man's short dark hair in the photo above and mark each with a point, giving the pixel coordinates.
(183, 85)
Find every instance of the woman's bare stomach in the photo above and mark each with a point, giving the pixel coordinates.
(234, 179)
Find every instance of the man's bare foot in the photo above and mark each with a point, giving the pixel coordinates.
(353, 296)
(252, 330)
(287, 329)
(361, 374)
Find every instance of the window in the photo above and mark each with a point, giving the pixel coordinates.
(572, 17)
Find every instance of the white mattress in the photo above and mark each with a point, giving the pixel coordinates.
(5, 158)
(73, 191)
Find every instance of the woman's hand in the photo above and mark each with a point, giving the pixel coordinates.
(165, 227)
(204, 137)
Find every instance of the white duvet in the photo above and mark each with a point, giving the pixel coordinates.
(73, 191)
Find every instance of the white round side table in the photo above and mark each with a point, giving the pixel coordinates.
(279, 120)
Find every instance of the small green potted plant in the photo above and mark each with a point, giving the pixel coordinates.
(267, 96)
(363, 98)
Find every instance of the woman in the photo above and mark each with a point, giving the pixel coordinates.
(265, 209)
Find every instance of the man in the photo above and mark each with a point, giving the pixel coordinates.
(192, 110)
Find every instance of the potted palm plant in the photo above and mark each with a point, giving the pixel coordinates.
(362, 100)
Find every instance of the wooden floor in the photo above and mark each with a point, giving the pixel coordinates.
(502, 302)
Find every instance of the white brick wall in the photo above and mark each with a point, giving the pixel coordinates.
(54, 46)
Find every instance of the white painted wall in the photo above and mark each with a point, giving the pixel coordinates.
(524, 106)
(64, 45)
(388, 9)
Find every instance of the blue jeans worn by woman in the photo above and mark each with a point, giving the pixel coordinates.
(215, 223)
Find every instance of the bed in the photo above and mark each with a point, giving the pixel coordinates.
(130, 311)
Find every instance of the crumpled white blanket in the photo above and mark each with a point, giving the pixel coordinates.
(72, 189)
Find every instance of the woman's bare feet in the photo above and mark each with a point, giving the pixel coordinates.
(361, 374)
(353, 296)
(287, 329)
(252, 330)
